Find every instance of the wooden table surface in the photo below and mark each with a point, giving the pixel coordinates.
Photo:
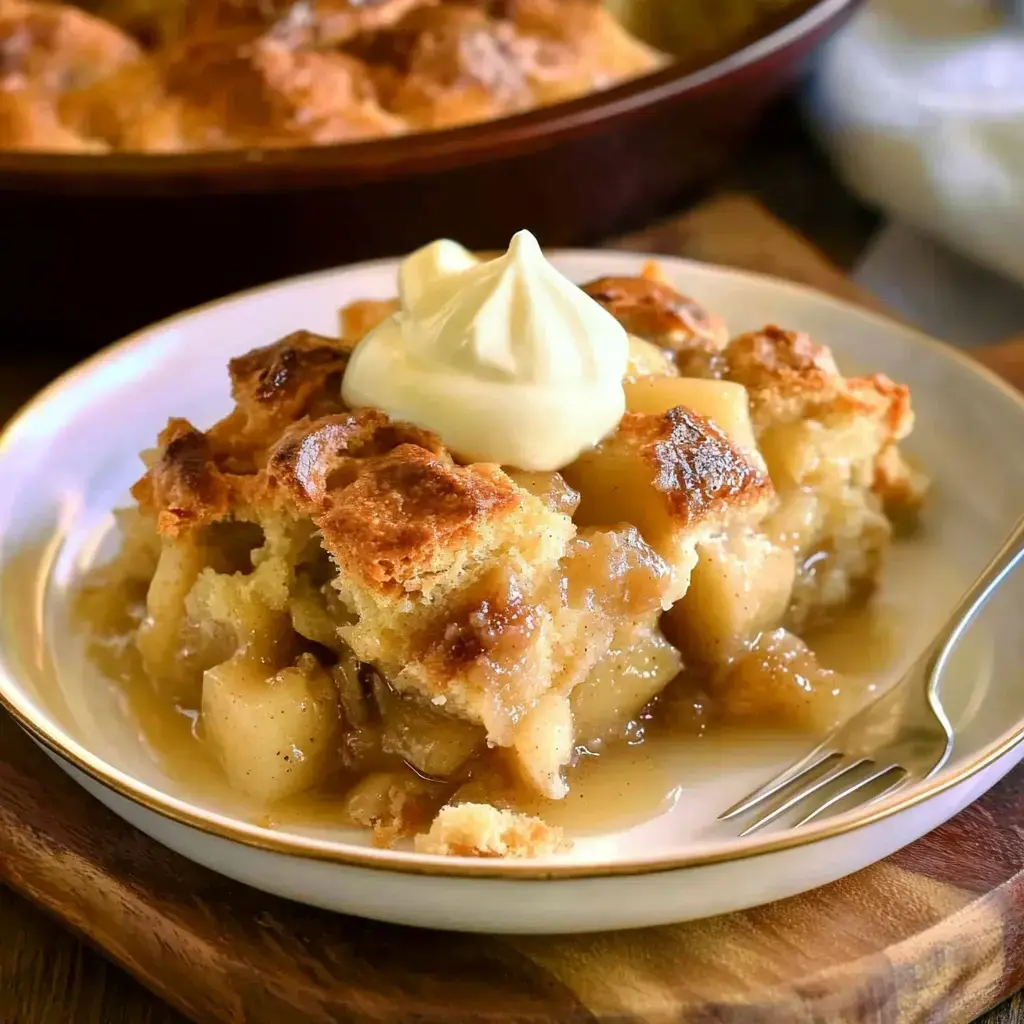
(47, 975)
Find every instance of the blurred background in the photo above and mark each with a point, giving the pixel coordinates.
(155, 154)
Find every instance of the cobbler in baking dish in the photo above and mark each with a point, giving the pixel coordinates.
(170, 76)
(499, 523)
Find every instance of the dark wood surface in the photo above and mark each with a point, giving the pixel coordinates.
(935, 933)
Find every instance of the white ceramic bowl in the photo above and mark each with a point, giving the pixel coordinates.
(69, 457)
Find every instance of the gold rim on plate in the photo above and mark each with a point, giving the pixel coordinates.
(69, 750)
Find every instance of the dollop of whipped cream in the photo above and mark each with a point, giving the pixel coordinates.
(506, 360)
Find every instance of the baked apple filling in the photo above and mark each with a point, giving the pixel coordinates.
(354, 605)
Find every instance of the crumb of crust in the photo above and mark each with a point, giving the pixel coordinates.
(480, 830)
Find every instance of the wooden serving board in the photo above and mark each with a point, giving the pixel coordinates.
(934, 933)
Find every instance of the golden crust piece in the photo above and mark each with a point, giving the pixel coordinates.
(49, 55)
(830, 444)
(184, 488)
(791, 379)
(394, 509)
(697, 474)
(199, 478)
(298, 376)
(701, 474)
(413, 515)
(602, 49)
(778, 366)
(450, 65)
(456, 63)
(677, 478)
(653, 310)
(480, 830)
(789, 376)
(285, 374)
(312, 458)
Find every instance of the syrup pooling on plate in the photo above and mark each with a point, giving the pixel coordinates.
(354, 610)
(669, 750)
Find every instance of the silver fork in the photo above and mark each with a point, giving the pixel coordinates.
(900, 738)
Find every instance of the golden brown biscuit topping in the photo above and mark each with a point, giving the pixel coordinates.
(53, 47)
(654, 311)
(274, 386)
(184, 488)
(313, 458)
(784, 361)
(405, 512)
(700, 472)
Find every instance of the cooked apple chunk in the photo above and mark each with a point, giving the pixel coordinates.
(272, 734)
(639, 665)
(160, 634)
(551, 488)
(647, 359)
(434, 743)
(673, 475)
(543, 745)
(741, 586)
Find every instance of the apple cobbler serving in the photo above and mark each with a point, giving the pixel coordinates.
(497, 524)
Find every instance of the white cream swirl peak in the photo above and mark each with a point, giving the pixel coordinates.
(507, 360)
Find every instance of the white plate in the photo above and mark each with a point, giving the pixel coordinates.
(69, 458)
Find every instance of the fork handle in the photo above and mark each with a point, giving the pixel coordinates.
(1003, 563)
